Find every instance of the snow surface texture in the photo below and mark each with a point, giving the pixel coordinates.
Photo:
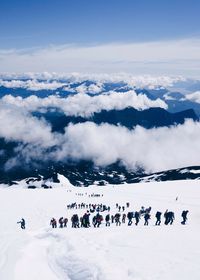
(141, 253)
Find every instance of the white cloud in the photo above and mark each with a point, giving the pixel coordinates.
(84, 105)
(155, 149)
(47, 80)
(33, 85)
(195, 96)
(18, 125)
(82, 89)
(95, 88)
(92, 89)
(167, 96)
(175, 57)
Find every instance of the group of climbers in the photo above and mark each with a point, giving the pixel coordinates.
(62, 222)
(118, 219)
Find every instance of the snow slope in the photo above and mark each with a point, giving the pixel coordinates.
(141, 253)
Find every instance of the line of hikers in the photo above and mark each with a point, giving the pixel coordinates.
(90, 195)
(92, 207)
(118, 219)
(98, 207)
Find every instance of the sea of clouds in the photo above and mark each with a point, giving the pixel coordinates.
(154, 149)
(51, 81)
(84, 105)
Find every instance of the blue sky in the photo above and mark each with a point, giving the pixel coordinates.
(41, 24)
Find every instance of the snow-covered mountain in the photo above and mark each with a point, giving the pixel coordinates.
(105, 253)
(86, 175)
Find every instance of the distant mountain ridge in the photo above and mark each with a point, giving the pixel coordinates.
(174, 96)
(114, 174)
(129, 117)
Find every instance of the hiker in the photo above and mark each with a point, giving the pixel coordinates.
(137, 218)
(142, 210)
(130, 217)
(123, 218)
(146, 218)
(166, 217)
(117, 219)
(107, 220)
(148, 210)
(81, 221)
(99, 219)
(85, 222)
(169, 217)
(94, 221)
(53, 223)
(61, 222)
(87, 219)
(158, 218)
(65, 221)
(184, 216)
(75, 221)
(22, 222)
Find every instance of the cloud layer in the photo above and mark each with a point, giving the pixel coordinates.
(84, 105)
(175, 57)
(51, 81)
(19, 125)
(32, 85)
(153, 149)
(195, 96)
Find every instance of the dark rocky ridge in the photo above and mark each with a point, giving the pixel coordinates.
(129, 117)
(114, 174)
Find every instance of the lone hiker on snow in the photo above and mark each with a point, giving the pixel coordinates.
(22, 222)
(184, 216)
